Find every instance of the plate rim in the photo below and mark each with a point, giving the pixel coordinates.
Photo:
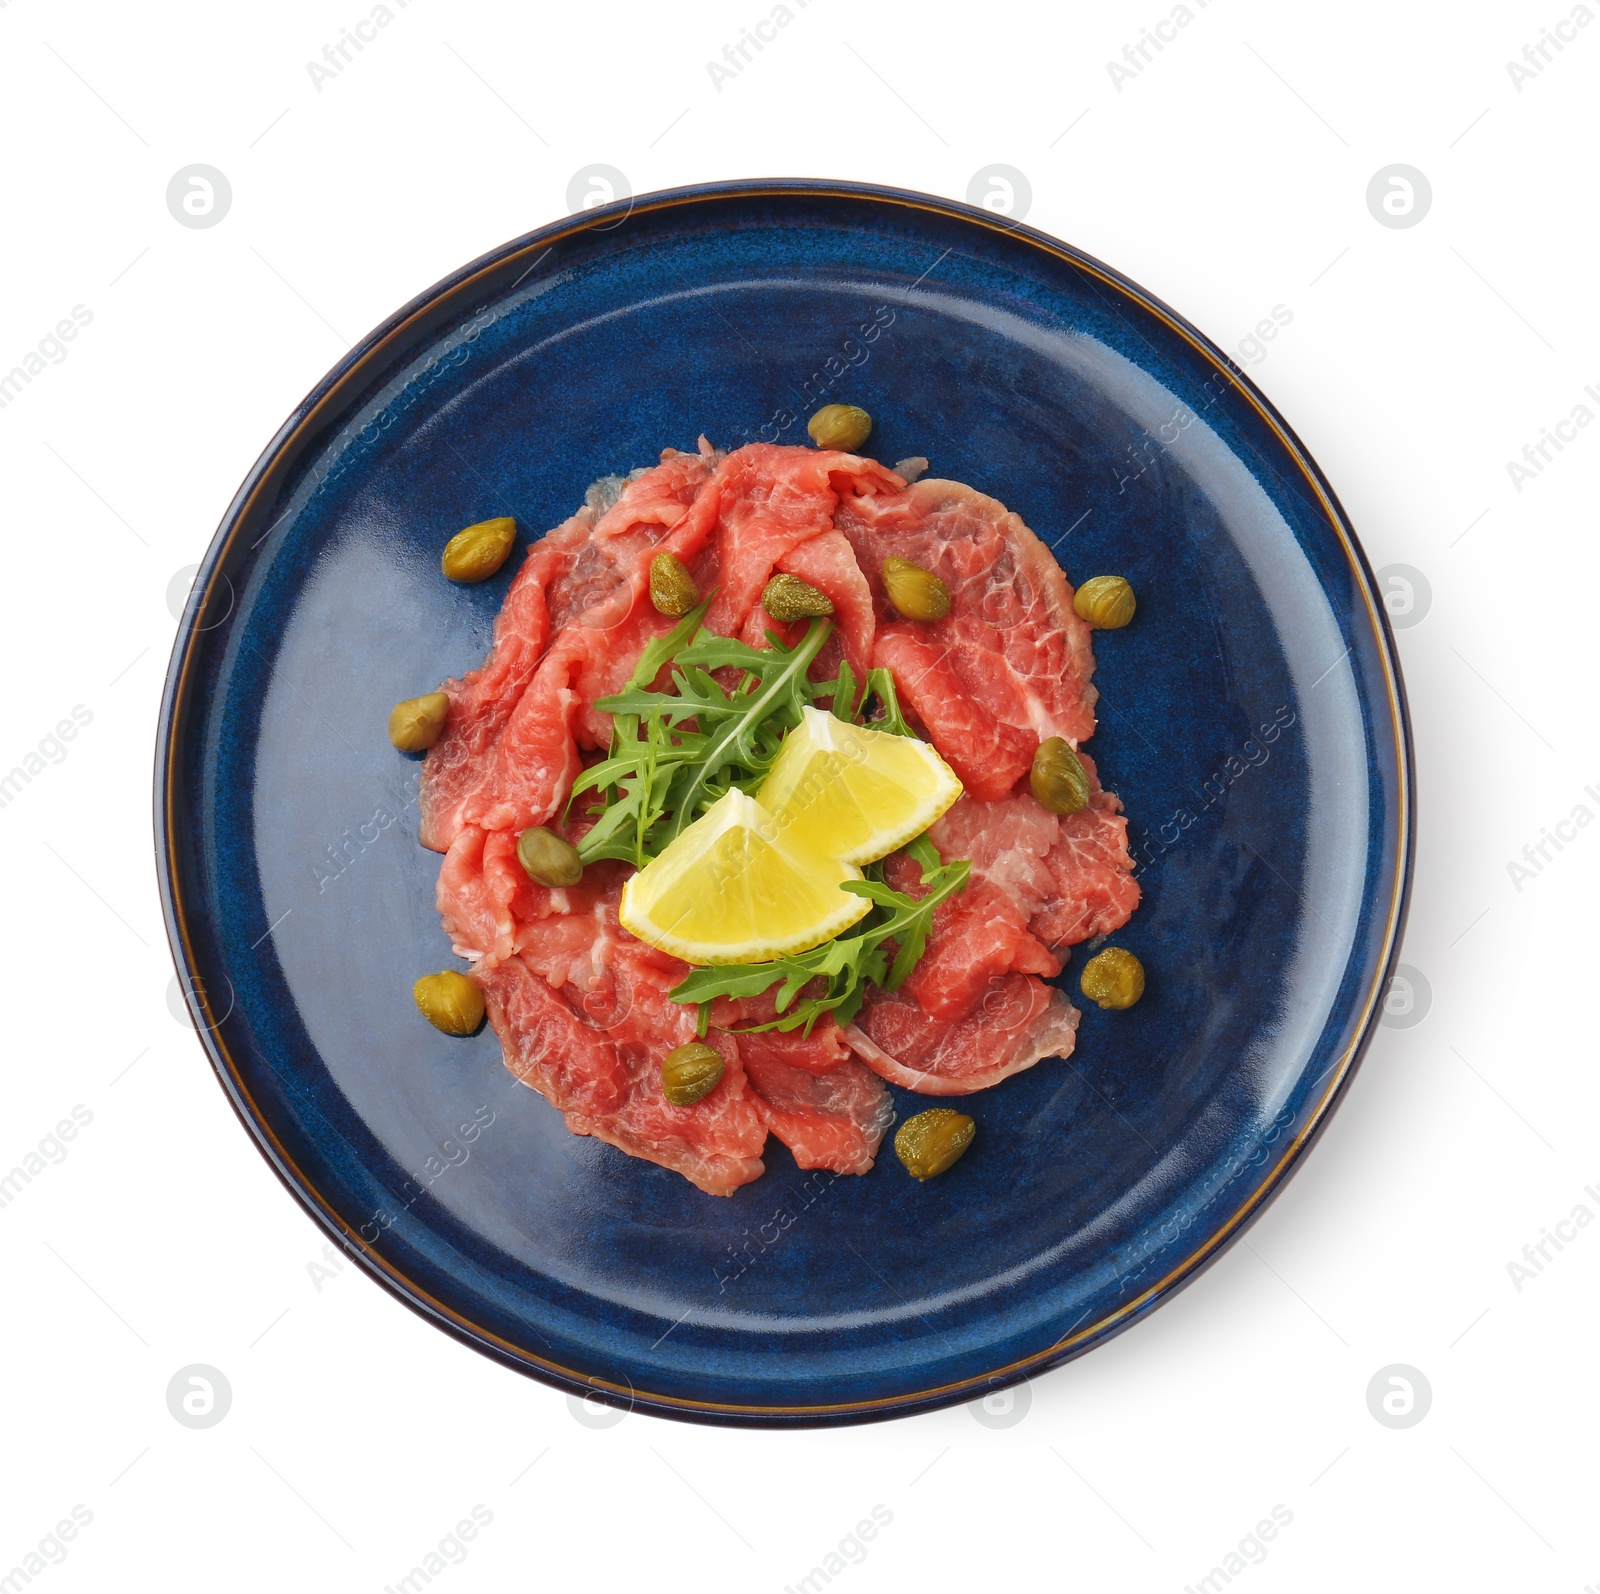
(303, 419)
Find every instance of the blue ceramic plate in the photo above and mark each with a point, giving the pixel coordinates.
(1251, 718)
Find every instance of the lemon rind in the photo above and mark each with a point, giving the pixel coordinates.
(705, 955)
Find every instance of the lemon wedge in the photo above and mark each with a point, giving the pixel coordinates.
(849, 792)
(733, 889)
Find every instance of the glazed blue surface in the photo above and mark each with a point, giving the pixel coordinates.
(1250, 718)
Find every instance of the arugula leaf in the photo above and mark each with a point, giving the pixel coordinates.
(922, 849)
(666, 648)
(637, 775)
(674, 753)
(847, 963)
(880, 684)
(783, 691)
(850, 702)
(844, 692)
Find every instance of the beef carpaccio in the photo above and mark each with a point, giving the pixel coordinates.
(581, 1007)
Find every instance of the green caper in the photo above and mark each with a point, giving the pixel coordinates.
(1058, 777)
(476, 553)
(917, 593)
(1106, 602)
(933, 1141)
(1113, 978)
(416, 724)
(690, 1072)
(672, 588)
(790, 598)
(841, 426)
(548, 859)
(450, 1001)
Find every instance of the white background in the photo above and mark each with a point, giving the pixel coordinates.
(1228, 176)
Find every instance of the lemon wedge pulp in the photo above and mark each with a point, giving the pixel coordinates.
(849, 792)
(733, 889)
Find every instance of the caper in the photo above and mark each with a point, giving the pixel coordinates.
(672, 588)
(416, 724)
(548, 859)
(476, 553)
(450, 1001)
(933, 1141)
(1058, 777)
(841, 426)
(1113, 978)
(690, 1072)
(917, 593)
(790, 598)
(1106, 602)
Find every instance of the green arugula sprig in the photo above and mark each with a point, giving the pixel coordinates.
(674, 753)
(847, 963)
